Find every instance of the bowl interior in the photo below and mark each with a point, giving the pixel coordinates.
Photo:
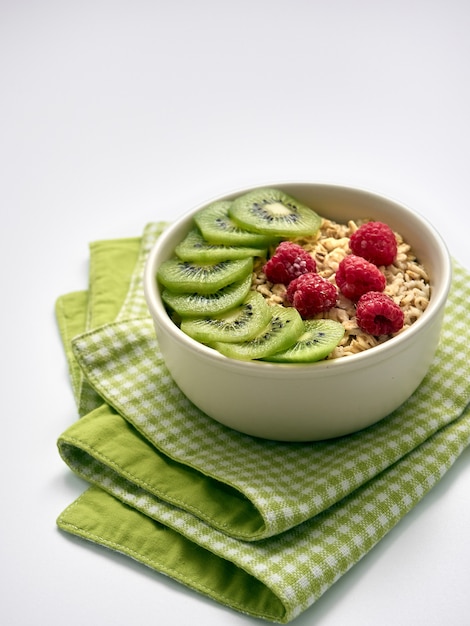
(339, 203)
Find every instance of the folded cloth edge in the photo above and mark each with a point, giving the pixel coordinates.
(299, 565)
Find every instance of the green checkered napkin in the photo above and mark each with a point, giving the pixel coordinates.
(261, 526)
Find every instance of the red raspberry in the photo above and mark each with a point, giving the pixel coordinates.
(288, 262)
(356, 276)
(378, 314)
(375, 242)
(311, 294)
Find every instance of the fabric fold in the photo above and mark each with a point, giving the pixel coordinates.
(222, 512)
(106, 450)
(280, 577)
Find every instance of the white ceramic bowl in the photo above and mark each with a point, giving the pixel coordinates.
(304, 402)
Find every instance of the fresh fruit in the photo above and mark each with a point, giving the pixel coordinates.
(207, 286)
(375, 242)
(240, 323)
(378, 314)
(198, 304)
(356, 276)
(319, 339)
(195, 248)
(289, 261)
(282, 331)
(203, 278)
(218, 228)
(275, 213)
(311, 294)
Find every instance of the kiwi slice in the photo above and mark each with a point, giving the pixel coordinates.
(195, 248)
(273, 212)
(319, 338)
(240, 323)
(204, 278)
(198, 304)
(282, 331)
(217, 227)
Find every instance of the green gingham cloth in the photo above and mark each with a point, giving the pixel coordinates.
(261, 526)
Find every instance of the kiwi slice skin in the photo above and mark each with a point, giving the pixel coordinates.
(282, 331)
(195, 248)
(273, 212)
(197, 304)
(319, 339)
(203, 278)
(217, 227)
(240, 323)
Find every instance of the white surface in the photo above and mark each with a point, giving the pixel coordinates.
(115, 113)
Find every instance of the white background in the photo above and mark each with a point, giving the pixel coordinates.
(115, 113)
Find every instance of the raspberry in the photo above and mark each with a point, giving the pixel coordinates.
(356, 276)
(375, 242)
(378, 314)
(288, 262)
(311, 294)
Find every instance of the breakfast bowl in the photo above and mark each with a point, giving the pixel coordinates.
(317, 400)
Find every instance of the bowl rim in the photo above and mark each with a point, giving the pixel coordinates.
(260, 368)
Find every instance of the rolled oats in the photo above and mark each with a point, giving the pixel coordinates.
(407, 283)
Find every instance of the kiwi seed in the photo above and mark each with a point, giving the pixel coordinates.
(282, 331)
(198, 304)
(204, 278)
(319, 339)
(195, 248)
(273, 212)
(217, 227)
(239, 323)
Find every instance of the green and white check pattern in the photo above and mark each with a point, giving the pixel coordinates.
(289, 518)
(134, 305)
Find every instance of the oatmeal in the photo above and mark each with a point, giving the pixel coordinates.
(407, 283)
